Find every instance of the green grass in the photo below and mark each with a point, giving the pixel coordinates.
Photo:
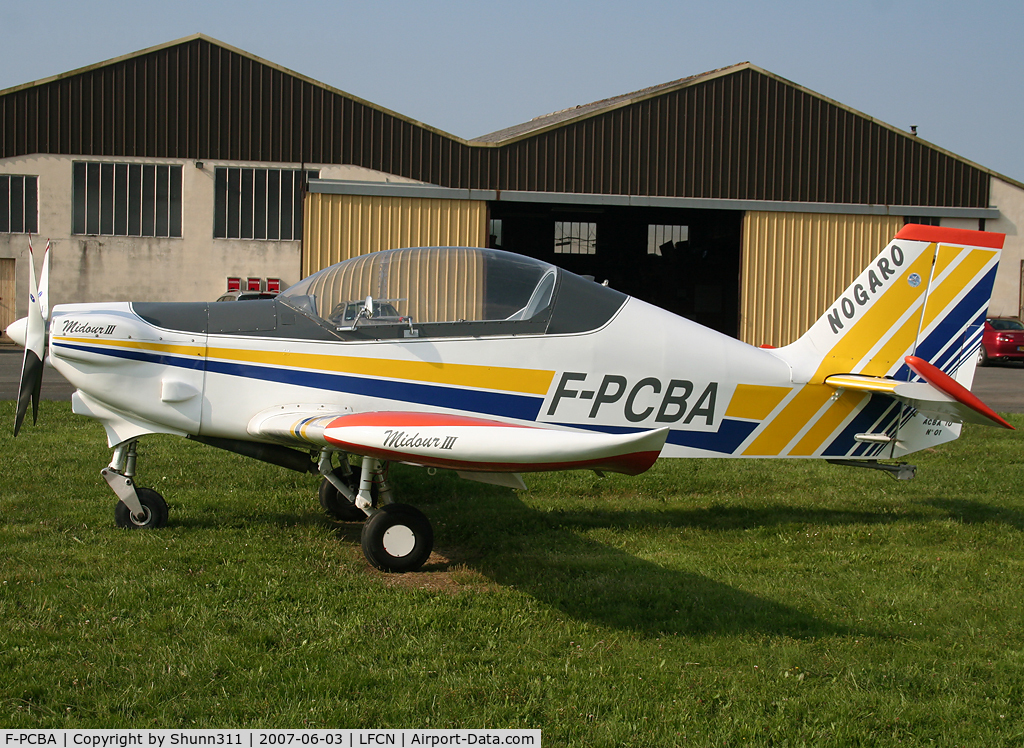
(703, 603)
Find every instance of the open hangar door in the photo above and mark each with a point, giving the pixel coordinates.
(683, 260)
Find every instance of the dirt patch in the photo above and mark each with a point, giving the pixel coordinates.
(446, 570)
(443, 572)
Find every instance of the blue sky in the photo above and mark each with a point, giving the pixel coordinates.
(954, 69)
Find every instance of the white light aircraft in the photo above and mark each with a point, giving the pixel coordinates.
(494, 364)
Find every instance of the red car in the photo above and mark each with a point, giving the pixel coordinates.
(1003, 341)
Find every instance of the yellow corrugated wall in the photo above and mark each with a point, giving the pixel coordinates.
(338, 227)
(796, 264)
(439, 284)
(8, 295)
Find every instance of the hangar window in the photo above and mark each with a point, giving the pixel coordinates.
(19, 204)
(495, 240)
(662, 239)
(126, 199)
(258, 203)
(575, 238)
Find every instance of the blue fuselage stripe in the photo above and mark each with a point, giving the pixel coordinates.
(725, 441)
(475, 401)
(845, 444)
(136, 355)
(501, 404)
(968, 311)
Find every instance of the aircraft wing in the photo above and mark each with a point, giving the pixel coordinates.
(939, 395)
(460, 442)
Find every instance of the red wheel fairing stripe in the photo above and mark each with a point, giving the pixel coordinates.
(630, 464)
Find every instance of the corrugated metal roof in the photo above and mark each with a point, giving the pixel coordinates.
(741, 134)
(545, 121)
(200, 99)
(199, 37)
(582, 110)
(736, 133)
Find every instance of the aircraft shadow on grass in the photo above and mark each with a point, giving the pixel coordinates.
(545, 554)
(970, 512)
(593, 581)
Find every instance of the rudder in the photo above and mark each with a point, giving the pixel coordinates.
(926, 294)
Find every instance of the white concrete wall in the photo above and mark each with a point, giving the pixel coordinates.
(1006, 296)
(194, 267)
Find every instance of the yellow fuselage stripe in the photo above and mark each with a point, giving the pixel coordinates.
(855, 344)
(147, 345)
(532, 381)
(959, 279)
(830, 420)
(529, 381)
(755, 402)
(780, 430)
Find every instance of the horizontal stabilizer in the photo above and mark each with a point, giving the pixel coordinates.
(970, 404)
(939, 395)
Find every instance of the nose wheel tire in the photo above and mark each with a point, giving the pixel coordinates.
(154, 511)
(397, 538)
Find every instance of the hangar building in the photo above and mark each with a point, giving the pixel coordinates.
(735, 197)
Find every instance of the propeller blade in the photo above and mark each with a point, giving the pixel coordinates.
(35, 351)
(44, 284)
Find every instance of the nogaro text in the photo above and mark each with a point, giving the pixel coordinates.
(884, 268)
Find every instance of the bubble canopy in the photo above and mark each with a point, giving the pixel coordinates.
(442, 291)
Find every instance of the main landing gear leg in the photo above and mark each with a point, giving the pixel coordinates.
(396, 537)
(337, 489)
(137, 507)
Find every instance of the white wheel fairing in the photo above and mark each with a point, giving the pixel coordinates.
(399, 541)
(397, 538)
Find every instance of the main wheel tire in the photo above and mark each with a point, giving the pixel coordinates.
(336, 505)
(154, 511)
(397, 538)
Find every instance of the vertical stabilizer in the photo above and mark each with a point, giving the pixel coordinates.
(925, 295)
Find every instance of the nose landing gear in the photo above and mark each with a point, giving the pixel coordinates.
(395, 537)
(137, 507)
